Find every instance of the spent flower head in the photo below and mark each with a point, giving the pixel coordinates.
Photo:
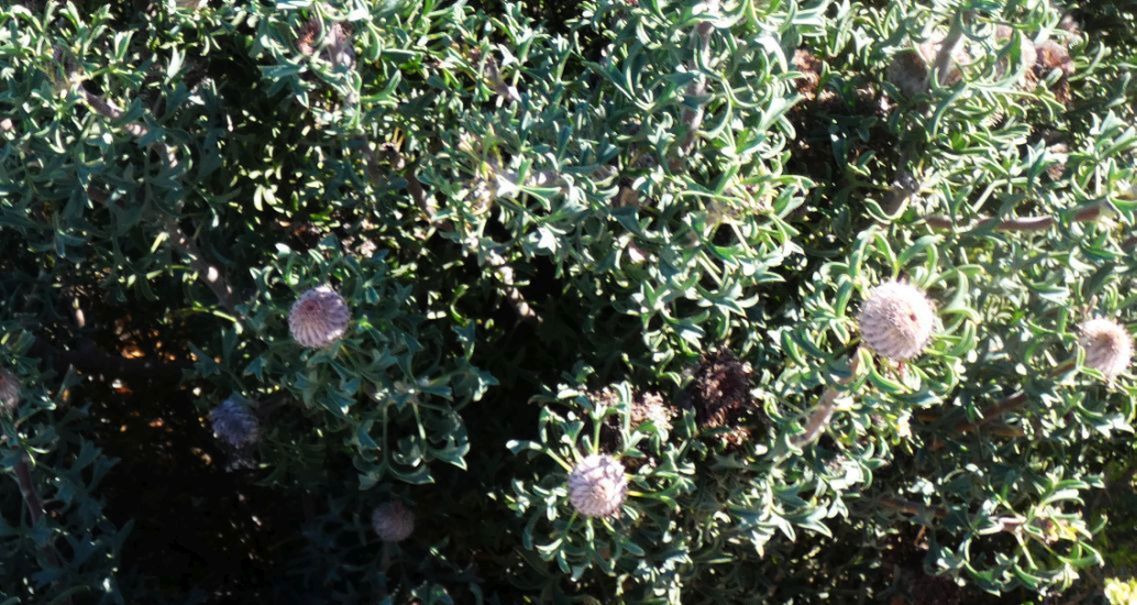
(234, 423)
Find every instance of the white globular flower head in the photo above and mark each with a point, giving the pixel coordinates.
(393, 521)
(9, 392)
(318, 318)
(897, 320)
(234, 423)
(598, 486)
(1108, 346)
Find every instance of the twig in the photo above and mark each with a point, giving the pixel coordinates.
(1086, 213)
(910, 508)
(825, 406)
(692, 117)
(111, 111)
(504, 273)
(1008, 404)
(903, 187)
(32, 499)
(207, 272)
(34, 504)
(943, 57)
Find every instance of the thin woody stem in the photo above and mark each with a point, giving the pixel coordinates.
(32, 499)
(1086, 213)
(825, 406)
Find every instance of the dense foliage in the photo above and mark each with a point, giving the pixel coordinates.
(645, 301)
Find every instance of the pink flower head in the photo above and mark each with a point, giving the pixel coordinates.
(897, 320)
(1109, 348)
(598, 486)
(318, 318)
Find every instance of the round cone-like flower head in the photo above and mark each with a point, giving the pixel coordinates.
(234, 423)
(1109, 348)
(393, 521)
(597, 486)
(9, 392)
(318, 318)
(897, 321)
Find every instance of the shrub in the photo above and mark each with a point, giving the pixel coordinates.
(631, 301)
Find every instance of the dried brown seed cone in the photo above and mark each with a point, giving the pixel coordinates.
(810, 67)
(910, 70)
(720, 390)
(1050, 56)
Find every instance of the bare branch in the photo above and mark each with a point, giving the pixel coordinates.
(1084, 214)
(825, 406)
(31, 497)
(207, 272)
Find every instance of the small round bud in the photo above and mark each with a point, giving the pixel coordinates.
(9, 392)
(1108, 346)
(393, 521)
(318, 318)
(234, 423)
(897, 320)
(597, 486)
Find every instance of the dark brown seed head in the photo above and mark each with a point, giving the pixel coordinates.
(720, 390)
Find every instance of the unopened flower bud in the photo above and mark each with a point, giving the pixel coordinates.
(318, 318)
(9, 392)
(897, 320)
(598, 486)
(234, 423)
(1108, 346)
(393, 521)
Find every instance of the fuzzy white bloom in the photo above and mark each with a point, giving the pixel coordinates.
(392, 521)
(9, 392)
(1108, 345)
(318, 318)
(597, 486)
(234, 423)
(897, 320)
